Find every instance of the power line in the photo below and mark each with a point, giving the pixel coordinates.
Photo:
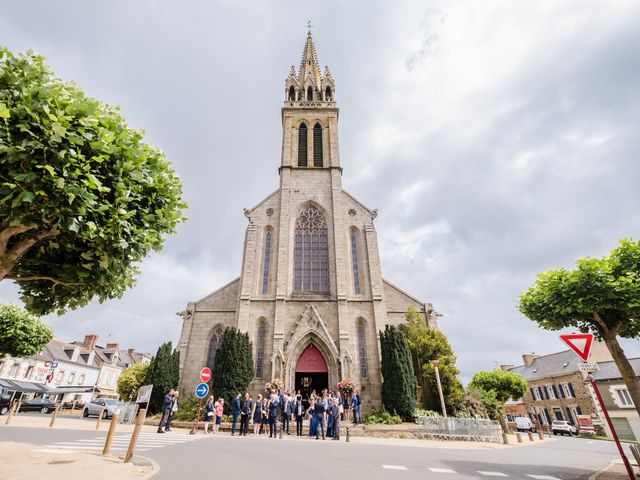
(137, 313)
(483, 327)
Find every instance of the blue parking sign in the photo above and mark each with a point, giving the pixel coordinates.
(202, 390)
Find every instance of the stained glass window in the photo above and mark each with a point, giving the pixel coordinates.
(311, 253)
(302, 145)
(317, 145)
(362, 350)
(267, 259)
(262, 333)
(214, 344)
(354, 260)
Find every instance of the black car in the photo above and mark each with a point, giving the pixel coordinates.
(5, 400)
(41, 405)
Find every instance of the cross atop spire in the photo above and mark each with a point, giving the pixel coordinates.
(309, 27)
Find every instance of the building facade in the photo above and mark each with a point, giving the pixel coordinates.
(311, 294)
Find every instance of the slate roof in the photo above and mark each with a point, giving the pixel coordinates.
(556, 364)
(610, 371)
(55, 350)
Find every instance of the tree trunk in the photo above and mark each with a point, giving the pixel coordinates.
(623, 364)
(10, 256)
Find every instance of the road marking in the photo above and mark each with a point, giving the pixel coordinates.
(492, 474)
(543, 477)
(146, 442)
(442, 470)
(83, 447)
(394, 467)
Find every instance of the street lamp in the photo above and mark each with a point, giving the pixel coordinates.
(435, 365)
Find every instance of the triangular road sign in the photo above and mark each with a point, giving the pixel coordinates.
(580, 343)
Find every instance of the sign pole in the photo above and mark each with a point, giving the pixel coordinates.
(198, 416)
(625, 460)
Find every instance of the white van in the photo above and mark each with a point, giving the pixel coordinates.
(524, 424)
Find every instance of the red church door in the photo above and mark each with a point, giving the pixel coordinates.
(311, 372)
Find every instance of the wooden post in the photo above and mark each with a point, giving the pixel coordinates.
(12, 411)
(531, 439)
(135, 435)
(53, 417)
(112, 430)
(519, 437)
(100, 418)
(505, 438)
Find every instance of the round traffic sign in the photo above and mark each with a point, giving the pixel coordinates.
(205, 374)
(202, 390)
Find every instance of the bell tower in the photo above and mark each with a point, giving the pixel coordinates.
(310, 115)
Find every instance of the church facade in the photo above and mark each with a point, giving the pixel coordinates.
(311, 293)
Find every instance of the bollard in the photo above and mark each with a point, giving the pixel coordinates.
(280, 434)
(12, 412)
(112, 430)
(531, 439)
(73, 408)
(540, 434)
(519, 437)
(53, 417)
(100, 418)
(135, 435)
(348, 435)
(505, 438)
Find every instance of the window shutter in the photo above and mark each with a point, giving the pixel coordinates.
(561, 391)
(533, 397)
(579, 410)
(317, 145)
(571, 390)
(302, 145)
(555, 391)
(546, 392)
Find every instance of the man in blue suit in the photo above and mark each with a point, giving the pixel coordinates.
(235, 412)
(167, 403)
(273, 416)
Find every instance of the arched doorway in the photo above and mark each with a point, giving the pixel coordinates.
(311, 372)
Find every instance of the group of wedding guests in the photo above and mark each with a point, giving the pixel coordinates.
(324, 411)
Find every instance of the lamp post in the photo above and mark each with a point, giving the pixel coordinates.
(435, 365)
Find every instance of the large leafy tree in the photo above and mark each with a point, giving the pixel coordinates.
(427, 345)
(399, 383)
(21, 333)
(82, 197)
(163, 374)
(600, 295)
(130, 381)
(233, 369)
(502, 386)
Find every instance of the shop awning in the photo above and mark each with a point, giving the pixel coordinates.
(23, 386)
(73, 389)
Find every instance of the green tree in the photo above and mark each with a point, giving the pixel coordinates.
(399, 382)
(503, 385)
(82, 198)
(233, 369)
(426, 345)
(601, 296)
(21, 333)
(477, 402)
(130, 380)
(163, 374)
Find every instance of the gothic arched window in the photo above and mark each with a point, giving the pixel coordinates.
(267, 260)
(354, 263)
(317, 145)
(309, 94)
(327, 94)
(311, 252)
(362, 350)
(302, 145)
(214, 344)
(260, 340)
(292, 93)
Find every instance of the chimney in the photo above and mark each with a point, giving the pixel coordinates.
(113, 346)
(90, 341)
(528, 358)
(506, 368)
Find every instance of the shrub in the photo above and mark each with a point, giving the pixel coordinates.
(381, 417)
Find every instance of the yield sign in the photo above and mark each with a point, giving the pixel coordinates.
(580, 343)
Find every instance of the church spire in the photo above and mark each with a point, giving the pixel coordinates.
(309, 67)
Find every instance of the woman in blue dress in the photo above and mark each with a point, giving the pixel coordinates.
(313, 429)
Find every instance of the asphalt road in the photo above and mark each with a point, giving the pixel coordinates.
(199, 457)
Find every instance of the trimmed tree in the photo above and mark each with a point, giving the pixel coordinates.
(601, 296)
(21, 333)
(399, 381)
(82, 198)
(130, 380)
(426, 345)
(501, 384)
(233, 369)
(163, 374)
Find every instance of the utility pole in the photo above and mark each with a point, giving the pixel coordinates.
(444, 409)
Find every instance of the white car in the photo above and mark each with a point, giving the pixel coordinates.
(563, 427)
(106, 406)
(524, 424)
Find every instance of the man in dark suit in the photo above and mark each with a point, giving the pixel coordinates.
(298, 411)
(245, 413)
(167, 403)
(236, 408)
(273, 416)
(285, 414)
(318, 411)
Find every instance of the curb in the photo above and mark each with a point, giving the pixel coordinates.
(152, 462)
(595, 475)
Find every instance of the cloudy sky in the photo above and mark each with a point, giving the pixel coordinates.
(498, 139)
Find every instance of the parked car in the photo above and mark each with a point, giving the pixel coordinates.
(42, 405)
(524, 424)
(563, 427)
(105, 405)
(5, 400)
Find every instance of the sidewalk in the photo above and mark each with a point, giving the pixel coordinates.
(24, 460)
(66, 422)
(616, 471)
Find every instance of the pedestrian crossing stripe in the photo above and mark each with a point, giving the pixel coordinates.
(492, 474)
(442, 470)
(146, 441)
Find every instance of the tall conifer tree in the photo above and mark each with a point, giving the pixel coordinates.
(233, 369)
(162, 374)
(399, 382)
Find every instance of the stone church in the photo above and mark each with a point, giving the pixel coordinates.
(310, 293)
